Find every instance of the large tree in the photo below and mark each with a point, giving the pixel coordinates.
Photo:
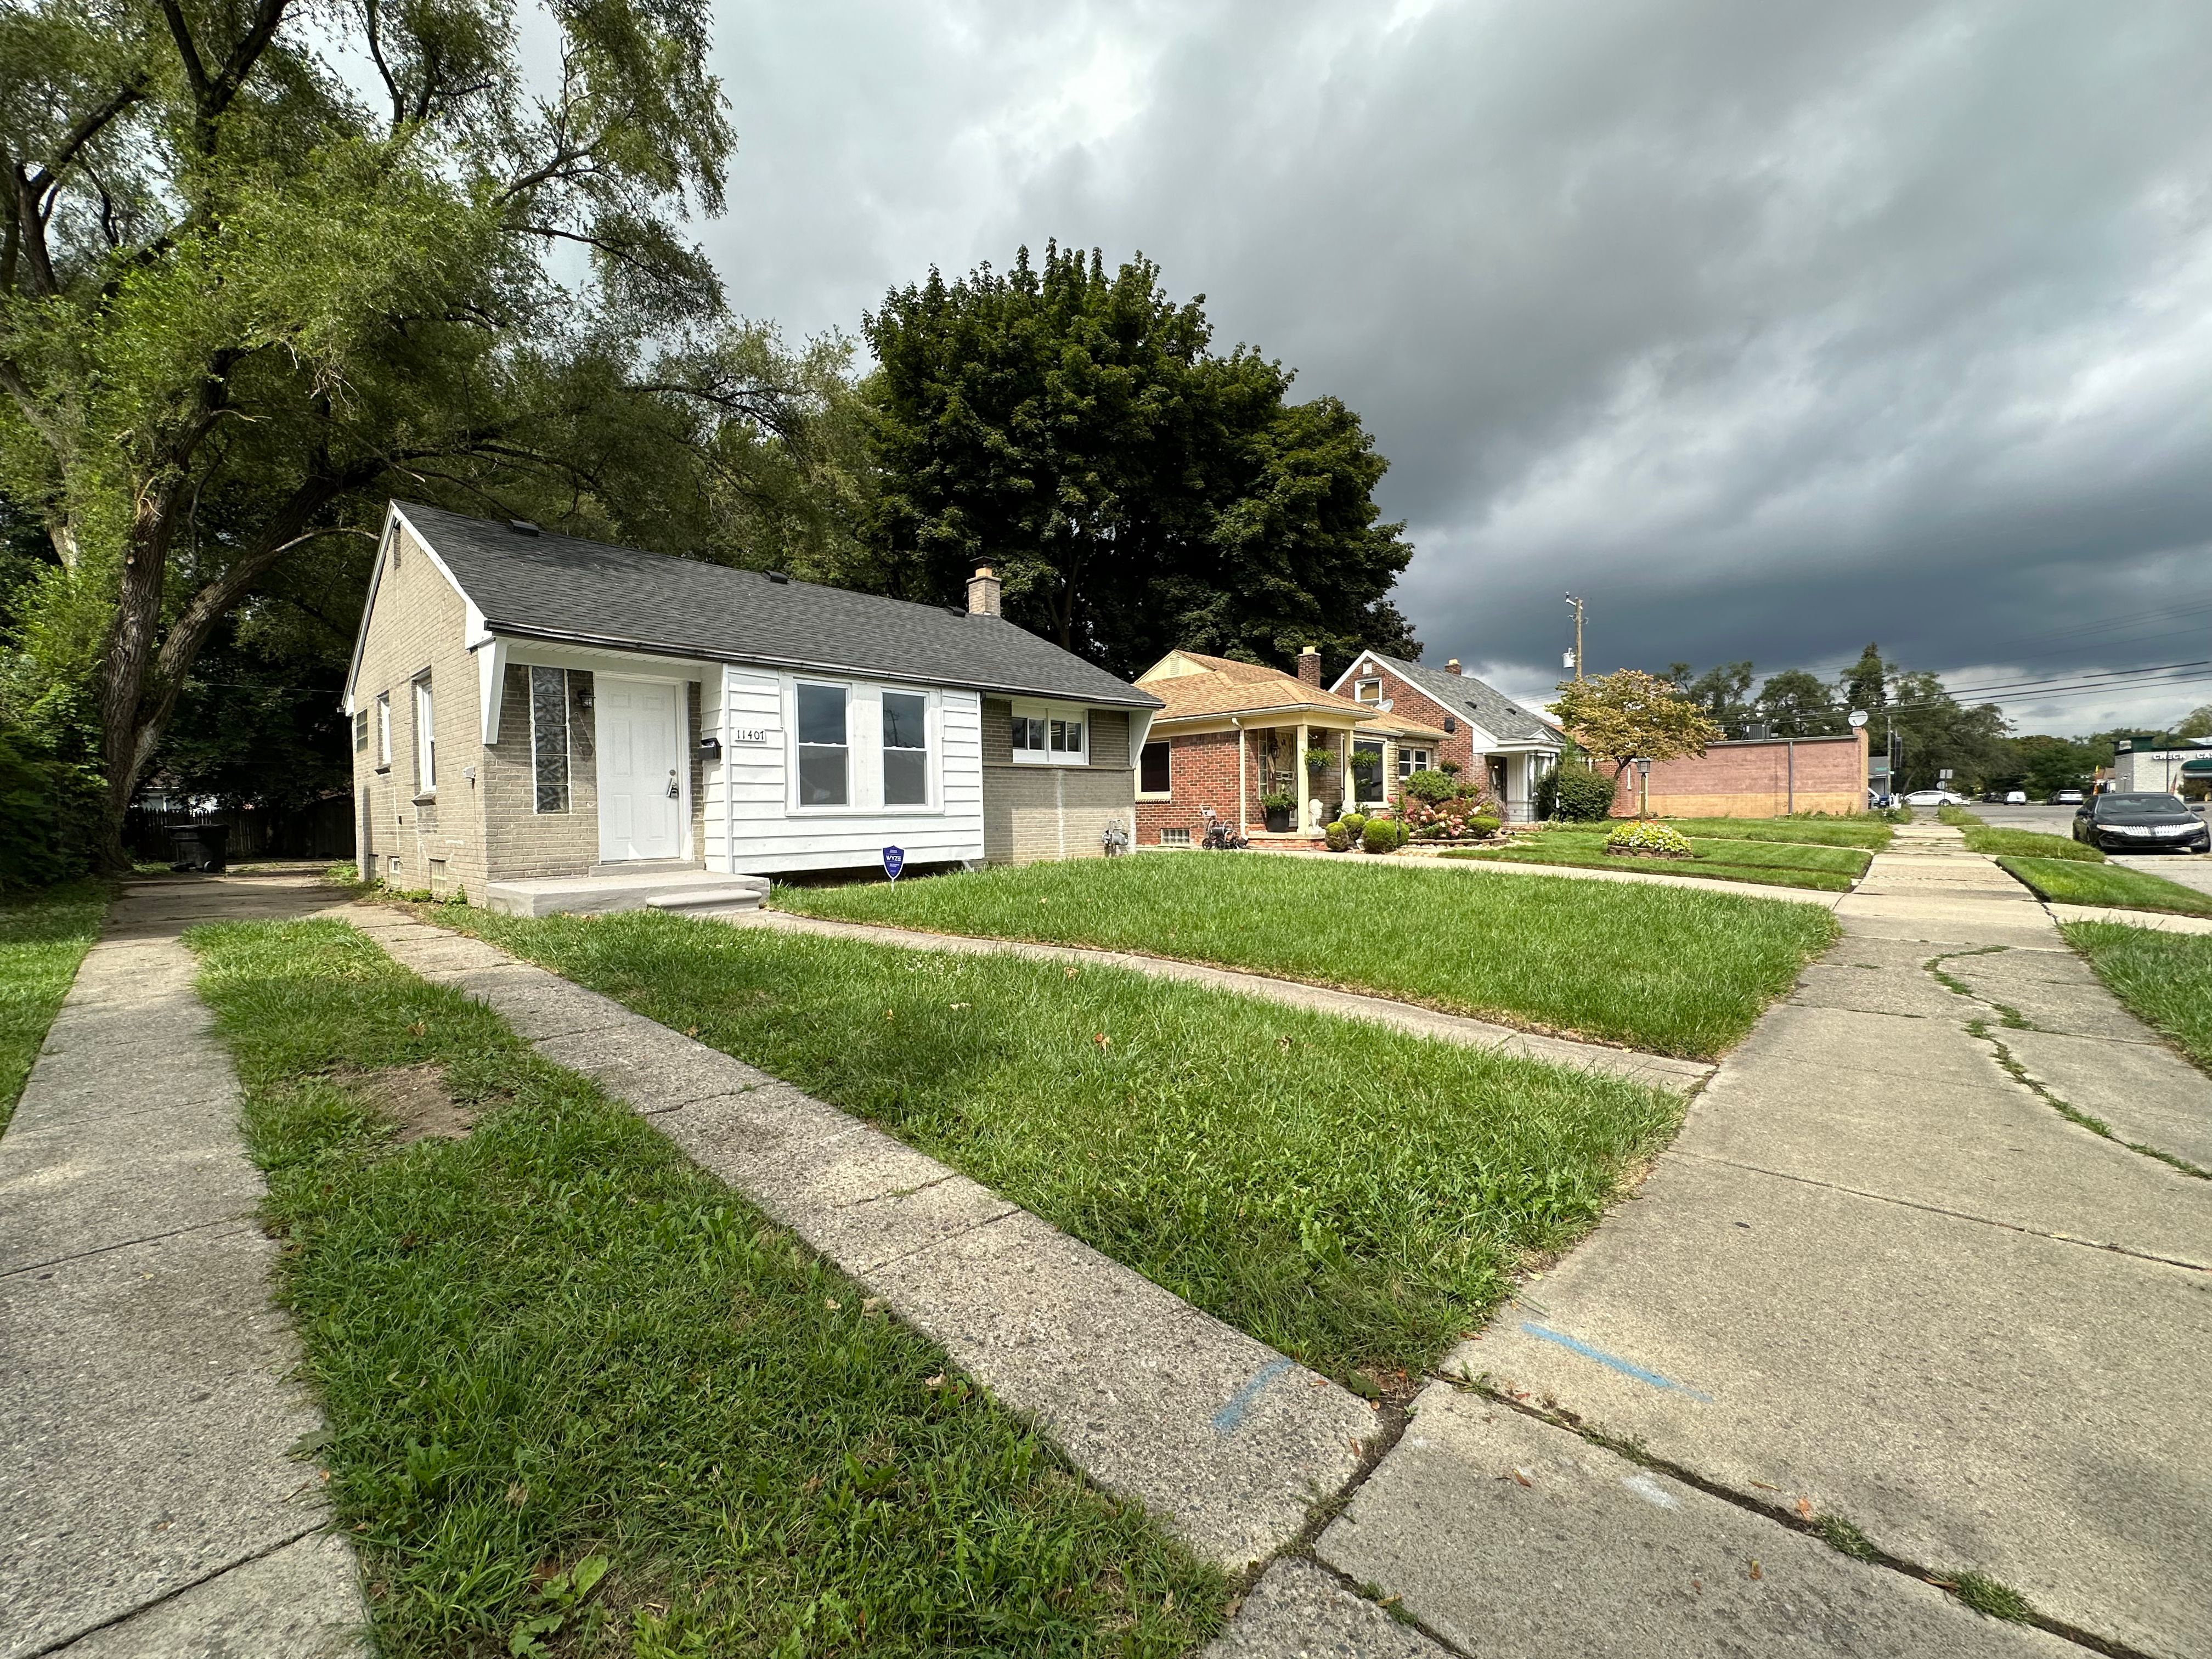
(1629, 716)
(1136, 490)
(240, 301)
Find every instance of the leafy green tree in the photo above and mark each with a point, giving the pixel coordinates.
(1136, 490)
(2196, 723)
(1724, 693)
(1865, 684)
(2042, 764)
(1939, 733)
(1629, 715)
(240, 304)
(1798, 704)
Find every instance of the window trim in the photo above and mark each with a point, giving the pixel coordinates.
(844, 689)
(932, 745)
(1360, 686)
(1408, 751)
(1168, 794)
(1030, 709)
(426, 738)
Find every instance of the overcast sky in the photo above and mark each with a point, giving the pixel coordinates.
(1770, 328)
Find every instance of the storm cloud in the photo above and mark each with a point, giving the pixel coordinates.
(1772, 329)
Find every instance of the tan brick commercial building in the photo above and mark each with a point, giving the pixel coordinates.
(527, 705)
(1754, 778)
(1231, 733)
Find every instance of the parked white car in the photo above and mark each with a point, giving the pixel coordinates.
(2015, 798)
(1932, 798)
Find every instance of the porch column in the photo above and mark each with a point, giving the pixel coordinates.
(1298, 771)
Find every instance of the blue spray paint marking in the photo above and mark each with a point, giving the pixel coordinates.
(1230, 1417)
(1625, 1367)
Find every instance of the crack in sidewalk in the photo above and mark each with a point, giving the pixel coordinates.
(2011, 1018)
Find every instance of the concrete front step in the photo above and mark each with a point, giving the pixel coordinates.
(691, 891)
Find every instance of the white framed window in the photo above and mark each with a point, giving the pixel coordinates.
(1367, 690)
(549, 738)
(1175, 837)
(906, 749)
(825, 758)
(426, 741)
(384, 731)
(1050, 734)
(1412, 760)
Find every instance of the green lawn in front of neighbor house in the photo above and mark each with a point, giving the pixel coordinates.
(1774, 864)
(43, 938)
(2070, 881)
(1352, 1195)
(1665, 969)
(557, 1347)
(2165, 979)
(1868, 831)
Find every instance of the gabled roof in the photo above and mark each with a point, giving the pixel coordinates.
(556, 587)
(1486, 706)
(1191, 686)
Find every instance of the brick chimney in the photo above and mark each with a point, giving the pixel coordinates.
(1452, 667)
(983, 592)
(1309, 665)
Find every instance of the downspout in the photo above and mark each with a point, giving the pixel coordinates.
(1793, 776)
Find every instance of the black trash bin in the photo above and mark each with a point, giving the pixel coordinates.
(201, 847)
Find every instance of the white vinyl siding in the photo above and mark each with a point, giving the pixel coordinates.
(754, 823)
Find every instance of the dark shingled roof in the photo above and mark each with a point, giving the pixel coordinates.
(558, 587)
(1491, 709)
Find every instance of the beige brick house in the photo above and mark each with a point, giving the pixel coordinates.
(528, 705)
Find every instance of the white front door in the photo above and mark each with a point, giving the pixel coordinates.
(641, 796)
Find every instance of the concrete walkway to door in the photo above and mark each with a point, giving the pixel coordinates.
(148, 1505)
(1884, 1283)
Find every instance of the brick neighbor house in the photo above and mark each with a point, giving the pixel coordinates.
(1750, 778)
(1492, 738)
(1230, 733)
(528, 706)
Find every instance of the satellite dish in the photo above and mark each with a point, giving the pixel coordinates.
(1859, 718)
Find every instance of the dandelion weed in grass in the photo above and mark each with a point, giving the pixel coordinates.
(1347, 1193)
(580, 1396)
(1668, 970)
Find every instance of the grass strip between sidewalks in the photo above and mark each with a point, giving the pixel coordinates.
(2068, 881)
(1351, 1196)
(2165, 979)
(43, 938)
(1869, 832)
(2029, 844)
(555, 1350)
(1663, 968)
(1823, 869)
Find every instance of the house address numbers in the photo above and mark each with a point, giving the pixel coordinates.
(749, 734)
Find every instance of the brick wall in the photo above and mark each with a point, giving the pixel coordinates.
(1201, 772)
(1751, 779)
(1411, 704)
(1033, 813)
(523, 842)
(417, 623)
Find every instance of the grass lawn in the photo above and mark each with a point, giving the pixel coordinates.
(1777, 864)
(2029, 844)
(1868, 831)
(554, 1348)
(2070, 881)
(2165, 978)
(1662, 969)
(43, 938)
(1352, 1195)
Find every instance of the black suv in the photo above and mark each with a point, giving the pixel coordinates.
(2141, 823)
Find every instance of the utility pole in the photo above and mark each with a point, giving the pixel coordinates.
(1575, 661)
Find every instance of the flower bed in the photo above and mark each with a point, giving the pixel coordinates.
(1646, 840)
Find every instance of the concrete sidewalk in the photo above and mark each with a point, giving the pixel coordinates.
(148, 1505)
(1881, 1279)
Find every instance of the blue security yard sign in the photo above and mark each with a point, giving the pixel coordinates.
(894, 861)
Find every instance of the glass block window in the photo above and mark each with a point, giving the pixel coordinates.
(1175, 837)
(548, 737)
(906, 749)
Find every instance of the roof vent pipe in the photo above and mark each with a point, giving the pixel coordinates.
(777, 576)
(522, 526)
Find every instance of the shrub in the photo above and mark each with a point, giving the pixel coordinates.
(1483, 824)
(1382, 835)
(1660, 840)
(45, 813)
(1575, 793)
(1353, 822)
(1432, 786)
(1339, 837)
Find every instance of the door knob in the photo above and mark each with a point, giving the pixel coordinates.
(671, 783)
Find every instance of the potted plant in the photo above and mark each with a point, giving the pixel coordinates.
(1277, 806)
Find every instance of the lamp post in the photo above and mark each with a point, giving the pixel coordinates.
(1644, 788)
